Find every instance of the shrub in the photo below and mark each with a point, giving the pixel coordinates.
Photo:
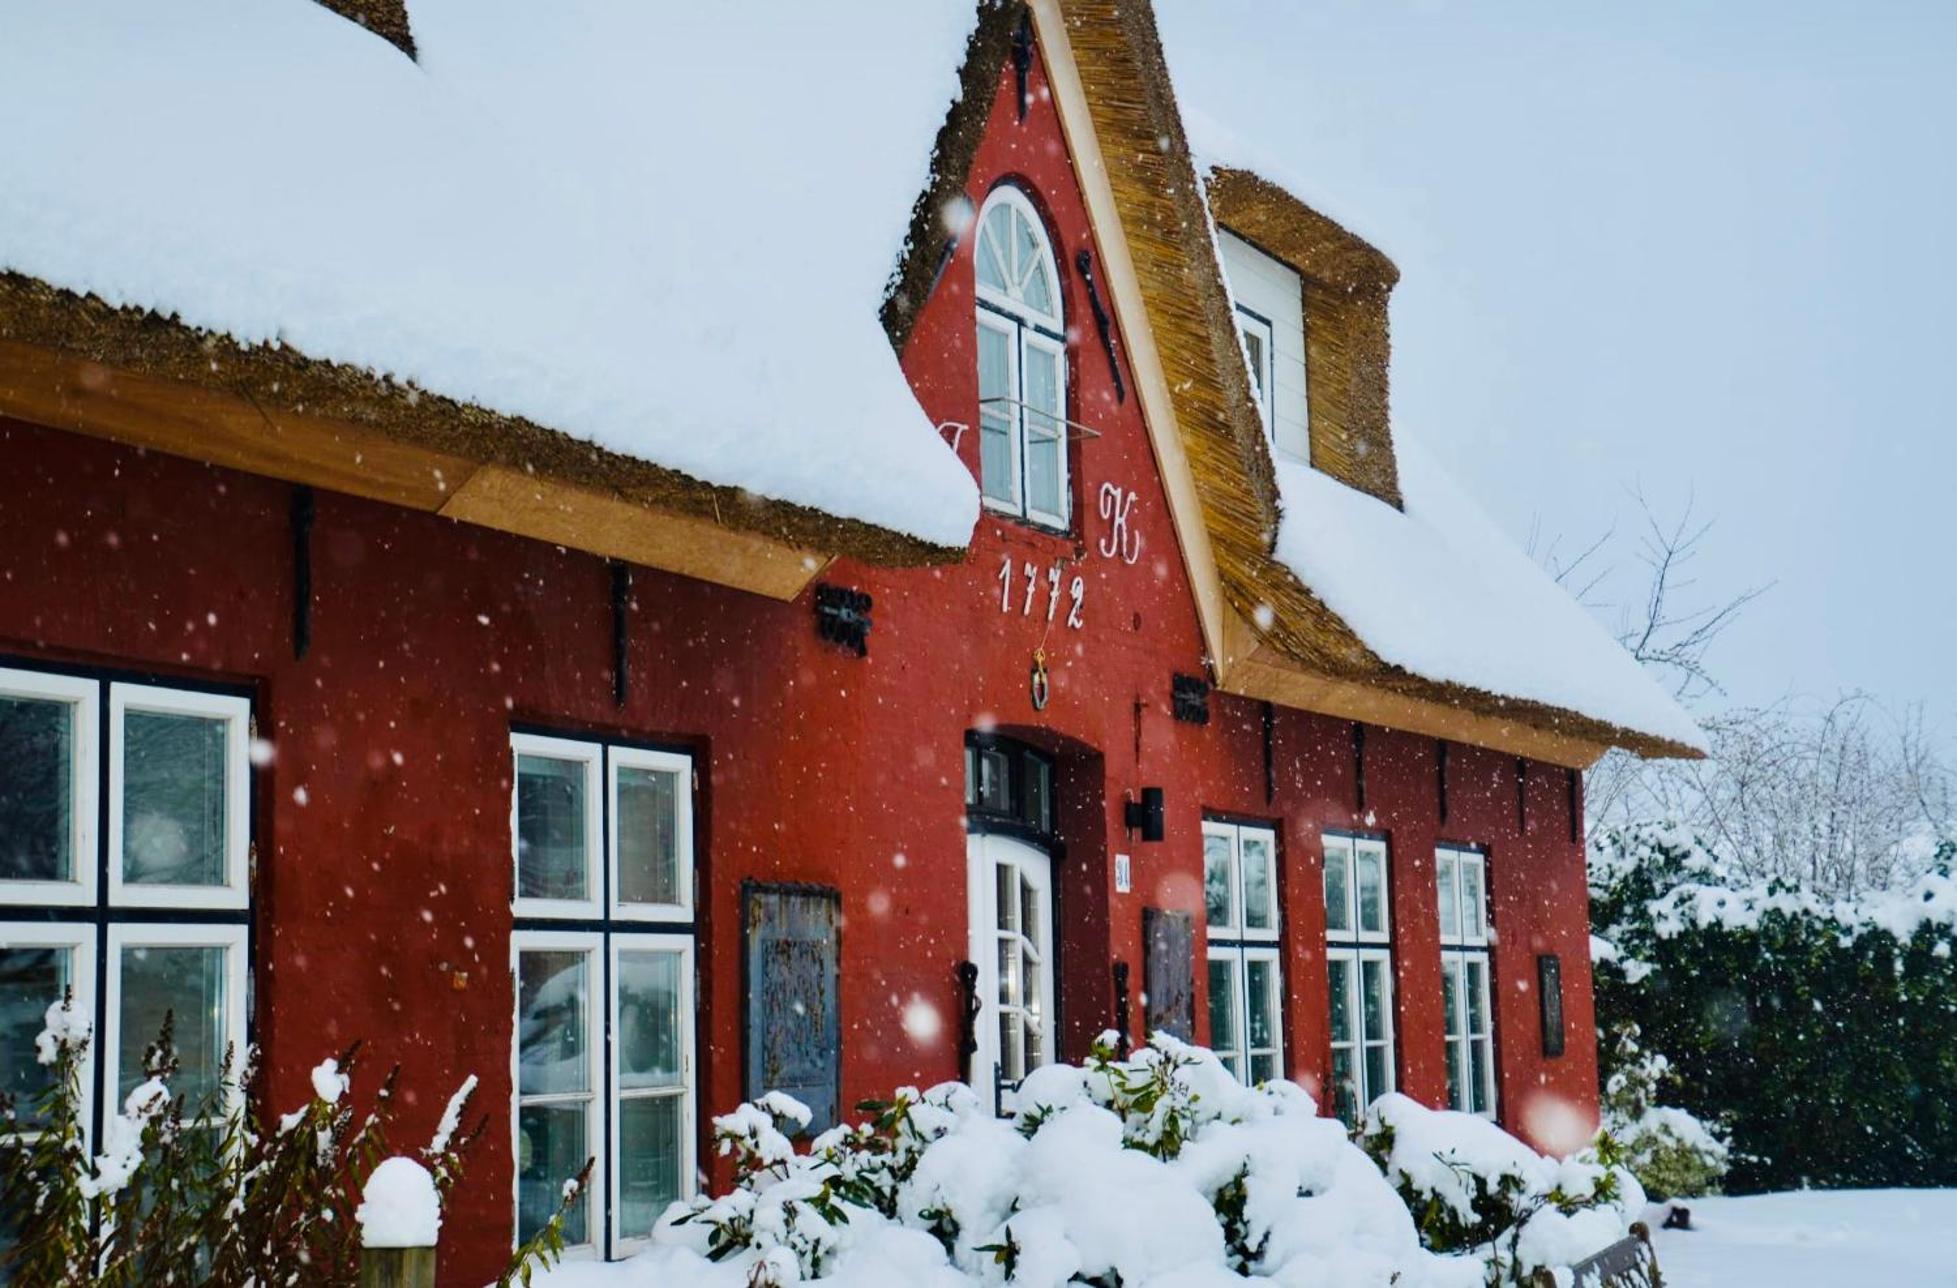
(1672, 1153)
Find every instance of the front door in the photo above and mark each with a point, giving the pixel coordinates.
(1010, 888)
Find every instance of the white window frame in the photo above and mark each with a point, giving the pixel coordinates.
(78, 937)
(232, 937)
(682, 946)
(1237, 943)
(1357, 945)
(235, 893)
(597, 1011)
(589, 755)
(1461, 944)
(1351, 846)
(84, 770)
(1026, 327)
(617, 758)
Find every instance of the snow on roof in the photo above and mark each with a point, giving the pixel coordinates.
(1440, 591)
(664, 229)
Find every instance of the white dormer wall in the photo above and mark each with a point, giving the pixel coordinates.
(1270, 300)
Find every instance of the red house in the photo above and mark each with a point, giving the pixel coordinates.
(523, 559)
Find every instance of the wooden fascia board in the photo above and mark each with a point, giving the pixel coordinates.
(62, 390)
(1118, 272)
(1256, 670)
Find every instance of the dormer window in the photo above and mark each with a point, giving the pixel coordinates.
(1022, 358)
(1270, 301)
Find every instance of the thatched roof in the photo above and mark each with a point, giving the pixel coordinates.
(387, 19)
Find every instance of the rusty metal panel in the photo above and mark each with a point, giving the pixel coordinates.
(1168, 972)
(794, 1028)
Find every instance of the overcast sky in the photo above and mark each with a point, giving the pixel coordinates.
(1706, 249)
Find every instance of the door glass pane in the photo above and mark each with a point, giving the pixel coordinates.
(553, 990)
(649, 1161)
(1259, 906)
(1030, 920)
(1338, 893)
(1012, 1047)
(1005, 897)
(551, 844)
(1474, 904)
(1009, 982)
(188, 984)
(31, 980)
(650, 1038)
(173, 806)
(1372, 890)
(648, 835)
(1044, 439)
(1260, 997)
(1339, 987)
(37, 741)
(1372, 997)
(1444, 870)
(1223, 1005)
(1218, 898)
(995, 418)
(552, 1144)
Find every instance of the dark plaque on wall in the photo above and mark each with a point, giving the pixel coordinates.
(1169, 947)
(1549, 988)
(794, 1030)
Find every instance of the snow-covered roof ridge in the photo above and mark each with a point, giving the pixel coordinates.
(570, 214)
(1438, 590)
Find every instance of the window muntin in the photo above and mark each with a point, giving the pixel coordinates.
(1022, 364)
(172, 832)
(601, 836)
(1461, 876)
(1359, 971)
(1245, 969)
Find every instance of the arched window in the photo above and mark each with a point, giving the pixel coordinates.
(1022, 357)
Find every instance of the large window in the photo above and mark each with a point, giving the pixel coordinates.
(1462, 877)
(125, 848)
(603, 963)
(1359, 971)
(1022, 360)
(1246, 988)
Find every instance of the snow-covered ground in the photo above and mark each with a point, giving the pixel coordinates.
(1815, 1239)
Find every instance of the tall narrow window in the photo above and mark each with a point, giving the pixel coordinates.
(1359, 971)
(1022, 361)
(1246, 974)
(602, 958)
(1462, 878)
(1260, 347)
(136, 900)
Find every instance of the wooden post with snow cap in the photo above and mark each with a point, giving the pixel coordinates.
(400, 1218)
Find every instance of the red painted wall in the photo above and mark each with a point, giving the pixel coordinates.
(383, 898)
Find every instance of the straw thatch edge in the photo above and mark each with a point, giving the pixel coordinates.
(280, 377)
(387, 19)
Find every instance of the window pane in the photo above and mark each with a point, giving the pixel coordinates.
(1444, 875)
(553, 1031)
(37, 741)
(1037, 290)
(31, 980)
(1038, 775)
(1457, 1094)
(1477, 996)
(1260, 994)
(173, 806)
(552, 1146)
(551, 845)
(1372, 997)
(1478, 1067)
(649, 1161)
(1450, 997)
(1223, 1005)
(649, 861)
(1338, 894)
(1474, 904)
(1218, 897)
(1045, 440)
(1263, 1068)
(995, 418)
(1254, 349)
(992, 248)
(1345, 1092)
(188, 984)
(650, 1037)
(1376, 1079)
(1259, 913)
(1372, 892)
(1339, 987)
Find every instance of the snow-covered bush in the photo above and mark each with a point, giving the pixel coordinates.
(1672, 1153)
(1472, 1187)
(1157, 1170)
(200, 1193)
(1821, 1033)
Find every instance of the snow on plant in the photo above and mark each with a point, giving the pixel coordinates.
(1672, 1153)
(1154, 1169)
